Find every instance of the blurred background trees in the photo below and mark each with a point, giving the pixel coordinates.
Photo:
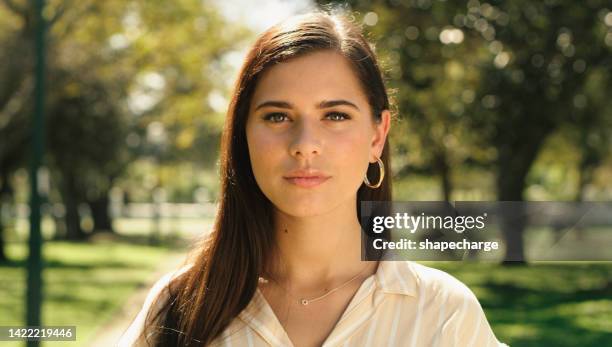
(486, 84)
(495, 101)
(117, 70)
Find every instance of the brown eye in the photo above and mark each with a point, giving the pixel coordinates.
(338, 116)
(275, 117)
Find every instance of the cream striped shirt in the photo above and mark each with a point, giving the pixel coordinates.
(403, 304)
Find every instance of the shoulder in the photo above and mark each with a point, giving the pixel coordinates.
(158, 290)
(433, 281)
(463, 316)
(154, 300)
(438, 288)
(434, 290)
(418, 280)
(163, 282)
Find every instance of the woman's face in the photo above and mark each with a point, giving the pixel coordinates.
(311, 134)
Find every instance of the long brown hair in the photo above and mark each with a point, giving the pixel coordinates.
(224, 276)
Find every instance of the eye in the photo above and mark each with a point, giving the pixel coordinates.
(275, 117)
(338, 116)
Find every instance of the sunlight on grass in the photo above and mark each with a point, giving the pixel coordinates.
(84, 283)
(542, 304)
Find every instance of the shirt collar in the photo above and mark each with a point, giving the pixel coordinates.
(397, 277)
(391, 277)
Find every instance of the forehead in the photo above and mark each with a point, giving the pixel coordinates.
(314, 76)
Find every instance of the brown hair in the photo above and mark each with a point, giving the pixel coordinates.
(206, 298)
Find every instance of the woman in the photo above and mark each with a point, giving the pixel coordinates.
(305, 141)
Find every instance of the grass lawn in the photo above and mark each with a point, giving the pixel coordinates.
(546, 304)
(84, 283)
(543, 304)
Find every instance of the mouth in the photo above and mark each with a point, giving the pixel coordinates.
(306, 178)
(307, 181)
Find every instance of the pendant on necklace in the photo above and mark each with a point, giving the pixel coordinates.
(304, 302)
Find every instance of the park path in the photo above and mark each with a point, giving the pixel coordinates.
(108, 335)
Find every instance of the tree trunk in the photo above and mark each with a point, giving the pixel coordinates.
(514, 162)
(589, 161)
(60, 228)
(100, 215)
(6, 193)
(72, 218)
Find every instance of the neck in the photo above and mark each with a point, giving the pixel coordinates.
(318, 251)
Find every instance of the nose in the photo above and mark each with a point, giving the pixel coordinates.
(306, 141)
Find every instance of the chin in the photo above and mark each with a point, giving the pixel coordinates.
(301, 208)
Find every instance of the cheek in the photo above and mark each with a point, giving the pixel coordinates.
(351, 152)
(263, 151)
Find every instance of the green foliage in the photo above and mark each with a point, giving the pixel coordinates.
(126, 80)
(485, 83)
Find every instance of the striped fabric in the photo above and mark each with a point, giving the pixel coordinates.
(403, 304)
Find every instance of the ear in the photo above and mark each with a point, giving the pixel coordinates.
(381, 129)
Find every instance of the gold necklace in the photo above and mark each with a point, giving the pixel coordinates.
(304, 301)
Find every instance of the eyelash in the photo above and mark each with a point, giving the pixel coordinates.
(269, 116)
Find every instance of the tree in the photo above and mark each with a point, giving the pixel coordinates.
(545, 52)
(429, 64)
(114, 67)
(530, 62)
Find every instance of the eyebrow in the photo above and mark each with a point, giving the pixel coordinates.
(322, 104)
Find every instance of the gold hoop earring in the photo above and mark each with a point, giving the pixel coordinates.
(381, 168)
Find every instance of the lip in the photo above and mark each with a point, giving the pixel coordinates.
(306, 178)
